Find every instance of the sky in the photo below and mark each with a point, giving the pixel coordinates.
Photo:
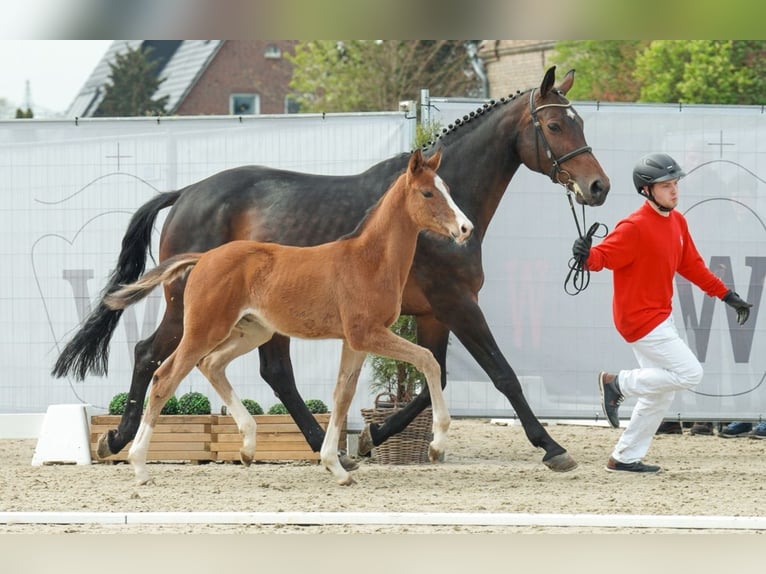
(56, 70)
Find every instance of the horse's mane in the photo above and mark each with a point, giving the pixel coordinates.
(468, 120)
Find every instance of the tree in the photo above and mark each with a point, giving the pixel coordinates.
(359, 75)
(24, 114)
(702, 71)
(604, 68)
(132, 83)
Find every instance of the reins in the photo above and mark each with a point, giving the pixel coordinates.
(579, 275)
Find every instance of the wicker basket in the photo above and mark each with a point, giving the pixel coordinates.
(407, 447)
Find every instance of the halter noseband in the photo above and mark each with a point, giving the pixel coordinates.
(556, 170)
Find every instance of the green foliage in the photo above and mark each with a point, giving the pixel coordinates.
(24, 114)
(426, 133)
(702, 71)
(117, 404)
(169, 408)
(131, 85)
(193, 403)
(603, 68)
(365, 75)
(316, 406)
(396, 377)
(277, 409)
(252, 407)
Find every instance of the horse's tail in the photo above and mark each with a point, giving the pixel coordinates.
(88, 350)
(165, 272)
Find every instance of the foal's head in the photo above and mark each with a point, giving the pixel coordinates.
(429, 201)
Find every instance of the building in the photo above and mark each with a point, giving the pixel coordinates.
(513, 65)
(205, 77)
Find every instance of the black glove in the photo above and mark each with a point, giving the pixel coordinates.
(581, 248)
(741, 306)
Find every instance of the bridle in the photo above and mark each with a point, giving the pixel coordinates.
(557, 174)
(579, 275)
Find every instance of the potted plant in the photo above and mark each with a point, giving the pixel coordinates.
(396, 383)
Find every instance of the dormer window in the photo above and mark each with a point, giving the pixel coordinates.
(244, 104)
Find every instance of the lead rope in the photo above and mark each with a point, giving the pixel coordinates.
(579, 275)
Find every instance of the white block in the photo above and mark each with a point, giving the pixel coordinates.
(64, 436)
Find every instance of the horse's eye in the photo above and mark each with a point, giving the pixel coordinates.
(554, 127)
(427, 194)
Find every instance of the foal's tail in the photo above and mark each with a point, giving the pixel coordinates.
(165, 272)
(88, 350)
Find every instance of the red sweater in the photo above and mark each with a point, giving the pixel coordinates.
(645, 251)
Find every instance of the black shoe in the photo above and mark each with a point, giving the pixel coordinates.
(611, 397)
(638, 466)
(670, 427)
(702, 429)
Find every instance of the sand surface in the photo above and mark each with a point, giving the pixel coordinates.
(488, 468)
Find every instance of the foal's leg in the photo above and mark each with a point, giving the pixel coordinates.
(432, 335)
(383, 342)
(213, 366)
(148, 354)
(351, 362)
(277, 371)
(166, 380)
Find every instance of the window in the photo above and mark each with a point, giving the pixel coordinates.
(272, 52)
(292, 106)
(244, 104)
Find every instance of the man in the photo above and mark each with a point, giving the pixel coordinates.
(645, 251)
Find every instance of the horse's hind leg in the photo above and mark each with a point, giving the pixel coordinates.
(148, 353)
(277, 371)
(213, 366)
(351, 362)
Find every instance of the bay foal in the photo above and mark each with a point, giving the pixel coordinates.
(241, 293)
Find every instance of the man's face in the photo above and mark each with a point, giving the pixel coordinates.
(666, 193)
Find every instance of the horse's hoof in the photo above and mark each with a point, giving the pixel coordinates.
(435, 455)
(102, 448)
(365, 442)
(347, 481)
(247, 460)
(347, 462)
(561, 462)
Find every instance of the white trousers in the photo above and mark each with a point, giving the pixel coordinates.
(666, 364)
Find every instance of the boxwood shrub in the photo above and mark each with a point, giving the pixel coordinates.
(193, 403)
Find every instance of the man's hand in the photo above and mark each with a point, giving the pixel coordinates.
(581, 248)
(741, 306)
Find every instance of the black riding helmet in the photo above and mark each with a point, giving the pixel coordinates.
(654, 168)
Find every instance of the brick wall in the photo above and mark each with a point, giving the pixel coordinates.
(513, 65)
(240, 66)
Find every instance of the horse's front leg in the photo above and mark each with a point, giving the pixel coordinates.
(432, 335)
(467, 322)
(277, 371)
(351, 362)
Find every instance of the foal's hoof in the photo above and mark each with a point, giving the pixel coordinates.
(561, 462)
(365, 445)
(102, 448)
(347, 462)
(246, 459)
(435, 455)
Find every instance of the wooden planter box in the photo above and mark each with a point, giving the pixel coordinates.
(203, 438)
(277, 437)
(175, 438)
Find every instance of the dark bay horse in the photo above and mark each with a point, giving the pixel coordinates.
(238, 295)
(481, 152)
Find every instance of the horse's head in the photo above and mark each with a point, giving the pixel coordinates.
(429, 201)
(554, 143)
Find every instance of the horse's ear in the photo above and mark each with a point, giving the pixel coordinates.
(434, 161)
(566, 83)
(548, 80)
(416, 161)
